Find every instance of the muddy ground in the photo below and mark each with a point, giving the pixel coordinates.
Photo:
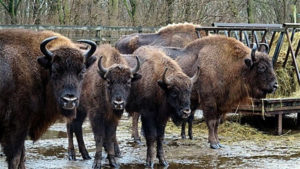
(245, 147)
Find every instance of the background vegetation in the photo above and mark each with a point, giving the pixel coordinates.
(146, 12)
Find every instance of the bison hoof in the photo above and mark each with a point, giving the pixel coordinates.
(112, 161)
(138, 142)
(150, 164)
(71, 155)
(114, 165)
(163, 163)
(183, 136)
(86, 157)
(97, 164)
(118, 154)
(214, 146)
(191, 137)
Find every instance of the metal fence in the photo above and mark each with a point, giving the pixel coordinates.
(99, 34)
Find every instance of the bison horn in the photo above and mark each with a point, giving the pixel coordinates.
(137, 67)
(267, 47)
(43, 48)
(101, 68)
(165, 80)
(254, 48)
(92, 49)
(196, 75)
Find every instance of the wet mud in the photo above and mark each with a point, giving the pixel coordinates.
(244, 147)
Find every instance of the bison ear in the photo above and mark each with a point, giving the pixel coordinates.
(136, 77)
(44, 62)
(90, 61)
(248, 62)
(162, 85)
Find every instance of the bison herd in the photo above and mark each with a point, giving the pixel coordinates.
(44, 76)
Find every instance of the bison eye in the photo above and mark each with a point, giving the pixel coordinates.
(108, 82)
(173, 94)
(81, 73)
(128, 82)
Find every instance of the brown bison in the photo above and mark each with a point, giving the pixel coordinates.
(163, 92)
(230, 73)
(104, 96)
(39, 79)
(176, 35)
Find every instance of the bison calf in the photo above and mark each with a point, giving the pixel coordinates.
(104, 96)
(39, 79)
(163, 92)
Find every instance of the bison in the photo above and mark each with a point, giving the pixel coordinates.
(230, 73)
(104, 96)
(40, 81)
(176, 35)
(163, 92)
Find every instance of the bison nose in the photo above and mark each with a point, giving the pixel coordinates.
(118, 104)
(186, 113)
(69, 101)
(275, 86)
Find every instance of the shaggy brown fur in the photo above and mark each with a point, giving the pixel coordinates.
(176, 35)
(228, 76)
(100, 92)
(29, 94)
(156, 99)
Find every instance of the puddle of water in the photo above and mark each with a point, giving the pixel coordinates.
(270, 152)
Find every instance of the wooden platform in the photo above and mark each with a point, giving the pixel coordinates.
(271, 107)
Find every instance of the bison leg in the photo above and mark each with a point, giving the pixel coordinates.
(183, 130)
(77, 127)
(160, 139)
(190, 122)
(13, 148)
(116, 147)
(110, 138)
(211, 124)
(216, 131)
(150, 135)
(135, 130)
(97, 124)
(71, 150)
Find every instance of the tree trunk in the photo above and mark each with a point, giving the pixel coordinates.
(113, 12)
(250, 11)
(169, 11)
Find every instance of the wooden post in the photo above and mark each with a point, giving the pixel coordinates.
(279, 123)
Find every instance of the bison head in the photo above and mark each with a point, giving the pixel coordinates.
(260, 74)
(118, 80)
(178, 88)
(67, 67)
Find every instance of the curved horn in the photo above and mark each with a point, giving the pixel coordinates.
(101, 68)
(92, 49)
(43, 48)
(164, 79)
(196, 75)
(266, 45)
(254, 48)
(137, 67)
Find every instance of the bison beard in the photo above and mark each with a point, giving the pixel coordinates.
(163, 92)
(30, 91)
